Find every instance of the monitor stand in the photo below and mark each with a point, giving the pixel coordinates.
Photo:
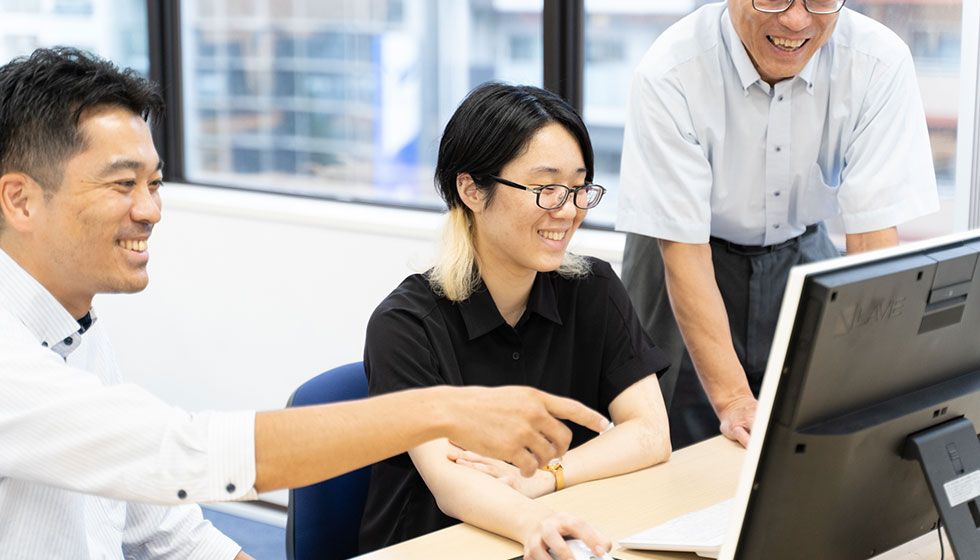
(950, 457)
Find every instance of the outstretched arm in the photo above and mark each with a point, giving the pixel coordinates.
(299, 446)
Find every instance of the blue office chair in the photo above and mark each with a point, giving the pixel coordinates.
(323, 519)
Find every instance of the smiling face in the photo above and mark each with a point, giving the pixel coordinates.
(513, 235)
(780, 45)
(92, 230)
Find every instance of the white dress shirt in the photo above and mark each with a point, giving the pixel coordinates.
(90, 466)
(710, 149)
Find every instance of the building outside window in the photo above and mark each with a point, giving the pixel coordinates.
(344, 98)
(114, 29)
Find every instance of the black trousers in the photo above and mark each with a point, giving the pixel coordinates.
(751, 281)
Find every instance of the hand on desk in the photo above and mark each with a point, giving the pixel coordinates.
(541, 483)
(737, 417)
(519, 424)
(551, 533)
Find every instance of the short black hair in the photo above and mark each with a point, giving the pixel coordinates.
(42, 98)
(494, 125)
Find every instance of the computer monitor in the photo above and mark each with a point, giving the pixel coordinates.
(869, 351)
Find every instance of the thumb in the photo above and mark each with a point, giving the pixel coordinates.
(570, 409)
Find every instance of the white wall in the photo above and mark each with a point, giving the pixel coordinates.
(251, 294)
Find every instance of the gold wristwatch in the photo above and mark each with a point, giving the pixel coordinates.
(556, 469)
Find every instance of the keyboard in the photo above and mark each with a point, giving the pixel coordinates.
(701, 532)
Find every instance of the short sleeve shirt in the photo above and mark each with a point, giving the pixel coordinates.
(710, 149)
(578, 338)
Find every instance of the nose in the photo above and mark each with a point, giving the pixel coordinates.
(567, 209)
(146, 205)
(796, 17)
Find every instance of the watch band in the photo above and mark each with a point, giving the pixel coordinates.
(558, 470)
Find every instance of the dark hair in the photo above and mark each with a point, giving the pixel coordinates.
(494, 125)
(42, 98)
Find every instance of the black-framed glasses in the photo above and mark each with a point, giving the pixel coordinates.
(549, 197)
(818, 7)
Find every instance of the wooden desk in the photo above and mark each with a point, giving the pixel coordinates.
(694, 478)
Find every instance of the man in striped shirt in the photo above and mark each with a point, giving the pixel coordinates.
(92, 467)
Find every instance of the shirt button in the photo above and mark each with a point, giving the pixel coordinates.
(775, 193)
(516, 355)
(780, 98)
(230, 488)
(778, 149)
(45, 344)
(68, 341)
(775, 226)
(181, 494)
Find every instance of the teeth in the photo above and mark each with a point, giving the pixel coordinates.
(553, 235)
(132, 245)
(787, 43)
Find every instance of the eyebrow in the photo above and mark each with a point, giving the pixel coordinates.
(127, 164)
(553, 170)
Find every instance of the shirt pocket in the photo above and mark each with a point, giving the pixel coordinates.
(817, 200)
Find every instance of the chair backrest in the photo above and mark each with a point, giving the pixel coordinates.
(323, 519)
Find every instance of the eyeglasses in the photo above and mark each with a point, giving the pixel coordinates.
(818, 7)
(550, 197)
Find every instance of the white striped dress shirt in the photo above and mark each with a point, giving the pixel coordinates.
(91, 467)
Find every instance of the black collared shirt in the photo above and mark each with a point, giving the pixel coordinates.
(578, 338)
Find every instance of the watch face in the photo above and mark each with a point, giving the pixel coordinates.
(554, 463)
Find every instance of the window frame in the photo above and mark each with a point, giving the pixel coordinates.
(563, 36)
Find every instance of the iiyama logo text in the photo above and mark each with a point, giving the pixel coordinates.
(854, 316)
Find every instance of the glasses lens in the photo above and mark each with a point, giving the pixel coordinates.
(771, 5)
(824, 6)
(588, 196)
(552, 196)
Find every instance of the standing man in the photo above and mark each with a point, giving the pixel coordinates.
(748, 124)
(92, 467)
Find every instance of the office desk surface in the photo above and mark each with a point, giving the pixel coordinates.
(694, 478)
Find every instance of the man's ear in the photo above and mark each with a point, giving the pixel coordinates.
(21, 198)
(471, 194)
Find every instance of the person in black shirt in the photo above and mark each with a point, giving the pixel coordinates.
(505, 304)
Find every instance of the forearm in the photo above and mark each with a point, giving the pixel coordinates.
(703, 321)
(303, 445)
(474, 497)
(639, 439)
(630, 446)
(871, 240)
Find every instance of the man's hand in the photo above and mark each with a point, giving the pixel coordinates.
(737, 417)
(517, 424)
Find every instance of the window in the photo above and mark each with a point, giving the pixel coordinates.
(617, 33)
(114, 29)
(931, 29)
(343, 99)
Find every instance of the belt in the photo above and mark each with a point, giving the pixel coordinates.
(750, 250)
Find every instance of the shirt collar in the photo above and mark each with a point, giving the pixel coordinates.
(747, 73)
(34, 306)
(480, 313)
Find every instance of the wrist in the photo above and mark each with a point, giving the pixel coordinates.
(724, 399)
(437, 408)
(557, 469)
